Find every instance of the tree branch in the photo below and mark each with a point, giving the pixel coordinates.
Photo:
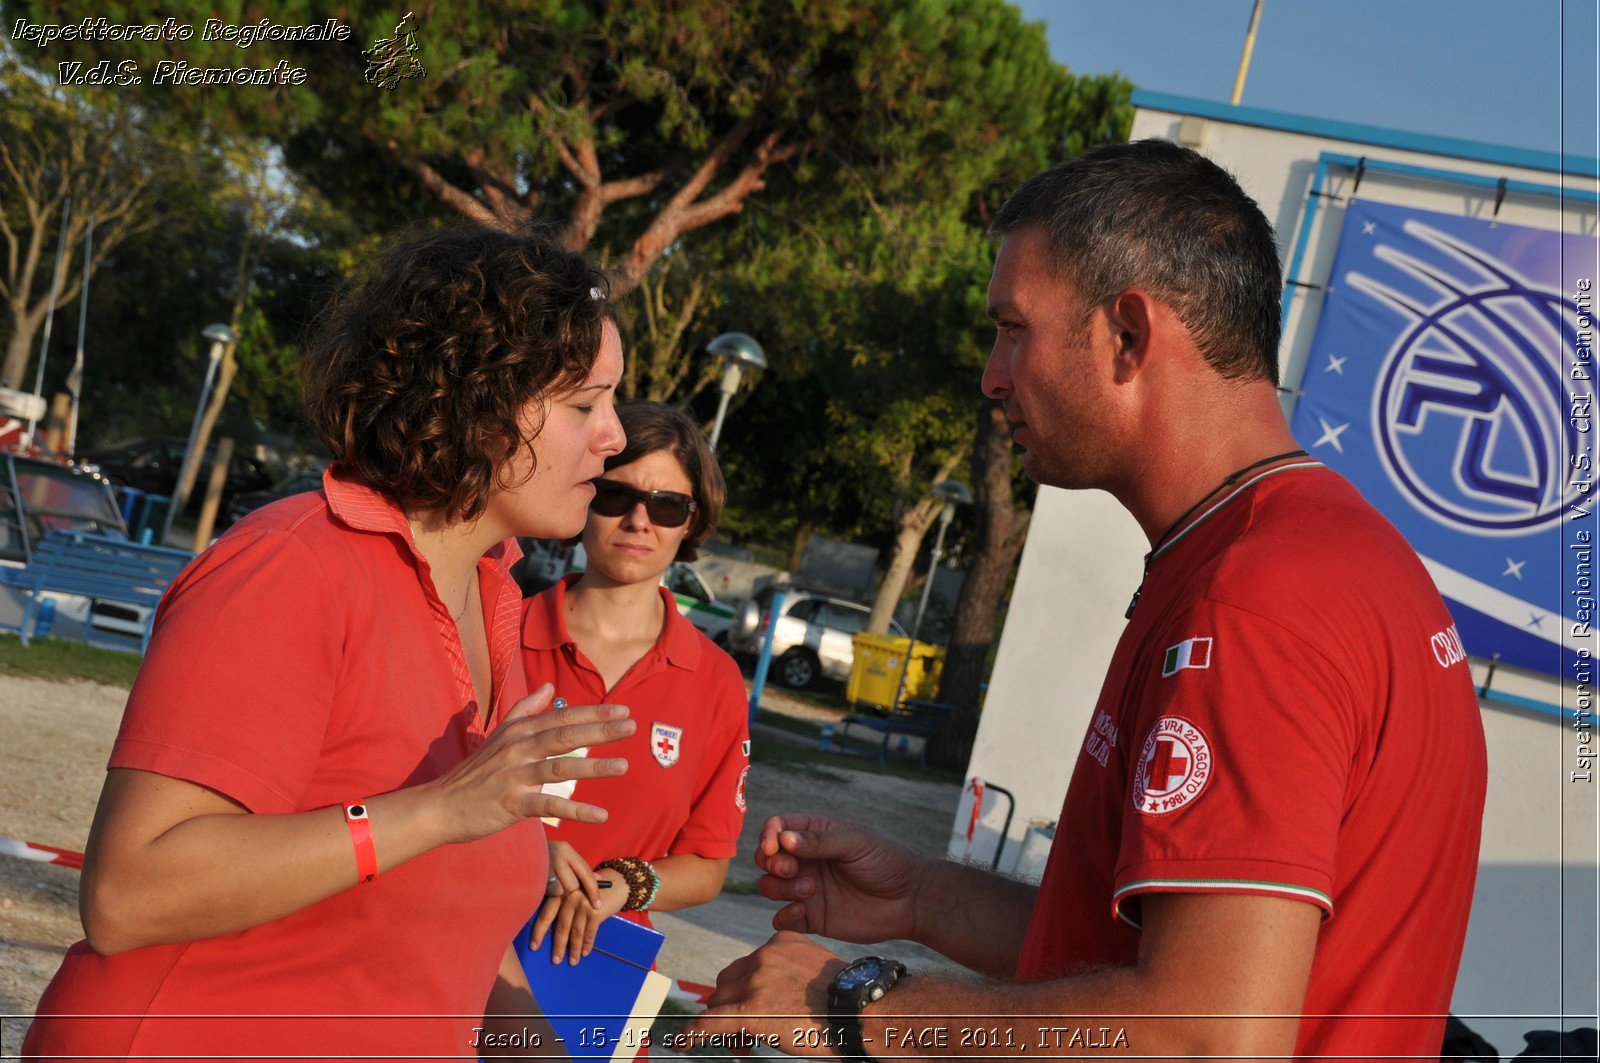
(435, 184)
(682, 214)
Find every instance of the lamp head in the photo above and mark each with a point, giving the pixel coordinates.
(220, 334)
(736, 348)
(953, 492)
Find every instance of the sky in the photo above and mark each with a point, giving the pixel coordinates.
(1521, 73)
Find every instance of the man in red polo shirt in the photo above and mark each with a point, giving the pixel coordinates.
(1270, 839)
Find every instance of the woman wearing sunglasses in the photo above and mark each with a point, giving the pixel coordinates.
(614, 634)
(321, 823)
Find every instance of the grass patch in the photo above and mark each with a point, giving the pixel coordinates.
(829, 764)
(809, 728)
(816, 699)
(51, 658)
(785, 756)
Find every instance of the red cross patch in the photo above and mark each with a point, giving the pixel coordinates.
(665, 743)
(1174, 767)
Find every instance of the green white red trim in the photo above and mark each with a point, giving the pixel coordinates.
(1215, 885)
(1309, 463)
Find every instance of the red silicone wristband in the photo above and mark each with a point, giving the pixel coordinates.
(355, 816)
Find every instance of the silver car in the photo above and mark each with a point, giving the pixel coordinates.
(812, 639)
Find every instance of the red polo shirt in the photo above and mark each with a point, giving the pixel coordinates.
(302, 661)
(1288, 714)
(687, 758)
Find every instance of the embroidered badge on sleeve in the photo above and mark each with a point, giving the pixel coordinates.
(1174, 767)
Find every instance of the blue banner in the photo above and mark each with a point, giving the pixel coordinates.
(1451, 380)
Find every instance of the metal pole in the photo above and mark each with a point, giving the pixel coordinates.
(758, 682)
(50, 310)
(75, 378)
(945, 515)
(730, 385)
(189, 460)
(933, 568)
(1249, 47)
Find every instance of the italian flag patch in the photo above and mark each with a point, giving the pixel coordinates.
(1190, 653)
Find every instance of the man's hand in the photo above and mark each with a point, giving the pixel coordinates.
(843, 880)
(779, 992)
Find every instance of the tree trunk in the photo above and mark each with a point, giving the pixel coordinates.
(802, 538)
(913, 528)
(1002, 529)
(17, 349)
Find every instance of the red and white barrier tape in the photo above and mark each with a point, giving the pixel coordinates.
(689, 994)
(44, 854)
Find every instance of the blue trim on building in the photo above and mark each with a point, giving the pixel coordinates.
(1550, 161)
(1544, 708)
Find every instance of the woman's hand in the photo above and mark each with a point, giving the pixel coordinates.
(573, 915)
(570, 873)
(502, 783)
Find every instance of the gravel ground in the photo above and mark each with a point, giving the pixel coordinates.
(59, 734)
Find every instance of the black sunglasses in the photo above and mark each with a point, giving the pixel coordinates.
(669, 509)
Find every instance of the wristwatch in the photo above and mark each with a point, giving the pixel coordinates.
(859, 984)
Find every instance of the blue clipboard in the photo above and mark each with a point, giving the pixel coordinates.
(603, 1007)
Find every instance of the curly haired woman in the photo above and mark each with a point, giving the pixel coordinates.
(324, 800)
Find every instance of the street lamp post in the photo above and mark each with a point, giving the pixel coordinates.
(222, 337)
(737, 352)
(954, 494)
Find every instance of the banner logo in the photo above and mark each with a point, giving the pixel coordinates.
(1472, 412)
(1450, 380)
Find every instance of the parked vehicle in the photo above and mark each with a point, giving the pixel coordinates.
(249, 501)
(812, 639)
(544, 561)
(153, 465)
(39, 495)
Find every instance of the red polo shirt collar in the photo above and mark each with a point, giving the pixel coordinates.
(363, 507)
(544, 626)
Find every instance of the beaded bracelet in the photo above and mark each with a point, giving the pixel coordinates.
(642, 880)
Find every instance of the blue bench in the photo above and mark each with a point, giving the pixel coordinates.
(97, 567)
(922, 719)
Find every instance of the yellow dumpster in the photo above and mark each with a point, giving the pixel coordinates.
(879, 659)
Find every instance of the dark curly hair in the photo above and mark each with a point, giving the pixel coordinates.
(419, 368)
(653, 426)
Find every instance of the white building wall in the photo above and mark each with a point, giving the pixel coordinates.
(1532, 943)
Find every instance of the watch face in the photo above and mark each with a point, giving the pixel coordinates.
(859, 974)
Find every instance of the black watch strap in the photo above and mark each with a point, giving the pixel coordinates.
(845, 1025)
(844, 1006)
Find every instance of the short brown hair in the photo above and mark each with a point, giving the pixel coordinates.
(1154, 215)
(653, 426)
(419, 368)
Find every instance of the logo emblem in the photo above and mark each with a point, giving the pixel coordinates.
(666, 743)
(1472, 412)
(1190, 653)
(1174, 767)
(738, 795)
(745, 748)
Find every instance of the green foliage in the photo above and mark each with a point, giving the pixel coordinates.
(857, 254)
